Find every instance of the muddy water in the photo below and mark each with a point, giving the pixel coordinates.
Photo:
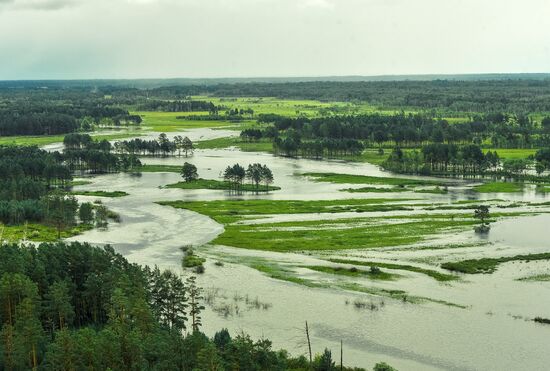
(491, 333)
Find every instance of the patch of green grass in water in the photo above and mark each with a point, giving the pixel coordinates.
(100, 193)
(434, 274)
(74, 183)
(219, 185)
(489, 265)
(535, 278)
(354, 272)
(158, 169)
(227, 142)
(264, 237)
(365, 179)
(499, 187)
(226, 211)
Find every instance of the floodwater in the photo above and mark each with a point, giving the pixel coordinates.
(489, 328)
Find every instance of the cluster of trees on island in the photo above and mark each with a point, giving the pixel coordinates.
(31, 190)
(79, 307)
(162, 146)
(82, 153)
(235, 176)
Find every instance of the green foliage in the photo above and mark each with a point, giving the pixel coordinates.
(189, 172)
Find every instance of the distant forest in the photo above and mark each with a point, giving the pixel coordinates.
(443, 95)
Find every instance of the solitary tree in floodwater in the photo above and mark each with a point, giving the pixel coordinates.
(189, 172)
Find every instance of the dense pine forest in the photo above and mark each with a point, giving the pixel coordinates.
(79, 307)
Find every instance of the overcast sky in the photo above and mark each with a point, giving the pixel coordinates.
(58, 39)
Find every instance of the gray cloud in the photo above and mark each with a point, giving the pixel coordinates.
(213, 38)
(37, 4)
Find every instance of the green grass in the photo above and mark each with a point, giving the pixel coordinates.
(191, 261)
(375, 274)
(100, 193)
(219, 185)
(225, 211)
(436, 190)
(512, 153)
(429, 272)
(499, 187)
(489, 265)
(227, 142)
(365, 179)
(326, 232)
(372, 156)
(280, 237)
(38, 232)
(159, 169)
(74, 183)
(165, 122)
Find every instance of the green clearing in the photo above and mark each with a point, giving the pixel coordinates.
(38, 232)
(365, 179)
(374, 274)
(429, 272)
(165, 122)
(372, 156)
(512, 153)
(219, 185)
(489, 265)
(499, 187)
(159, 169)
(100, 193)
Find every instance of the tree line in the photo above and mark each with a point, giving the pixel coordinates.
(82, 153)
(452, 159)
(162, 146)
(44, 112)
(75, 306)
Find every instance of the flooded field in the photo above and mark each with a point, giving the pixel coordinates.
(413, 321)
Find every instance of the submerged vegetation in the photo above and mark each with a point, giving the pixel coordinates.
(489, 265)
